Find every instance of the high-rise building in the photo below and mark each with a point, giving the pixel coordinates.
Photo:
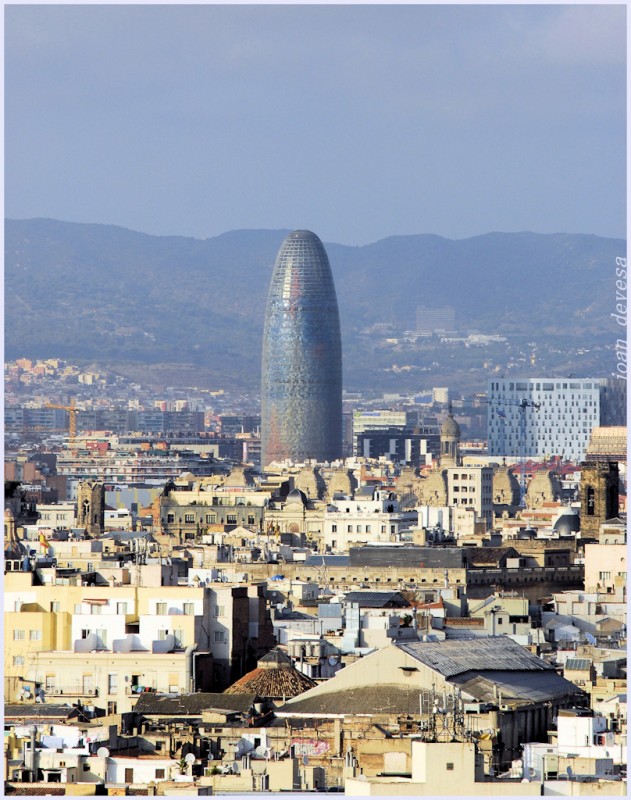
(301, 388)
(544, 417)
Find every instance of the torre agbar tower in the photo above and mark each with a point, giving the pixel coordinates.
(301, 391)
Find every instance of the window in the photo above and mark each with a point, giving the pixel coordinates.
(121, 608)
(189, 608)
(178, 635)
(161, 608)
(333, 528)
(77, 608)
(159, 772)
(231, 519)
(219, 636)
(18, 605)
(210, 518)
(18, 661)
(349, 528)
(220, 611)
(170, 518)
(449, 765)
(251, 519)
(162, 635)
(189, 517)
(35, 636)
(18, 635)
(112, 683)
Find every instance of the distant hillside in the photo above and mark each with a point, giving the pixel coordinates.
(105, 294)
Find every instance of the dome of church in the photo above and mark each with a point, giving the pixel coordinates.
(450, 427)
(274, 678)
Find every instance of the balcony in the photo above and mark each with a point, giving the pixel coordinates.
(71, 691)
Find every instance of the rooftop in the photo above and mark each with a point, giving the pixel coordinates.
(451, 658)
(193, 704)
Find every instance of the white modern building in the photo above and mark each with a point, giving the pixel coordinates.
(543, 417)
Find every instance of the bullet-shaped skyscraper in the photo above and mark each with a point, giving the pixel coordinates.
(301, 387)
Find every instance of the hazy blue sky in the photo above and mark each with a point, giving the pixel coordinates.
(357, 122)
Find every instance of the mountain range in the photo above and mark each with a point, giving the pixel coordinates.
(170, 305)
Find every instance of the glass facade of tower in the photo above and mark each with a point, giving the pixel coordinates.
(301, 387)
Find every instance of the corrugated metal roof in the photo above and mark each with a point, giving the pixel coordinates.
(516, 688)
(454, 657)
(377, 599)
(578, 663)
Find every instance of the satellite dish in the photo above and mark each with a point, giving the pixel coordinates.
(305, 760)
(332, 660)
(189, 758)
(210, 757)
(102, 752)
(235, 766)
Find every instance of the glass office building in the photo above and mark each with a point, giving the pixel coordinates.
(301, 390)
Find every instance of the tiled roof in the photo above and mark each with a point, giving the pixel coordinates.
(454, 657)
(193, 704)
(327, 561)
(378, 699)
(489, 555)
(33, 710)
(465, 622)
(282, 682)
(32, 791)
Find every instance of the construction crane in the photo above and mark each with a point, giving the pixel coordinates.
(522, 404)
(72, 418)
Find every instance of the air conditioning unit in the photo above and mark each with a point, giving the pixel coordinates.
(91, 692)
